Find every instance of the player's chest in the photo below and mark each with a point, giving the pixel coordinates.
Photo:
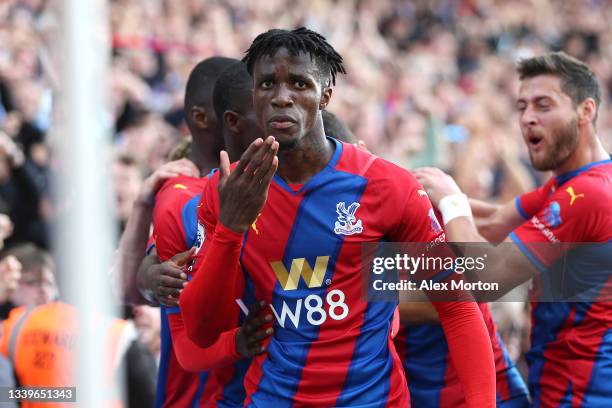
(312, 235)
(315, 220)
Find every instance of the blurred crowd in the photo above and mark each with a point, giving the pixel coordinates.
(429, 83)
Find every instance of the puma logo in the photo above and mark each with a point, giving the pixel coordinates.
(573, 196)
(254, 224)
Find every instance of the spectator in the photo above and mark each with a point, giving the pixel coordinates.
(37, 285)
(10, 276)
(127, 181)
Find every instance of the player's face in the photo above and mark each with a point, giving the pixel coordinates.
(548, 121)
(287, 96)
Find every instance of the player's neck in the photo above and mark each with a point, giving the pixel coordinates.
(589, 151)
(204, 160)
(310, 156)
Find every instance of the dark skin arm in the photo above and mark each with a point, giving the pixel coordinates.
(252, 332)
(162, 282)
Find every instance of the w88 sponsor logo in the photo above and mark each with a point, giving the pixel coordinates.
(316, 308)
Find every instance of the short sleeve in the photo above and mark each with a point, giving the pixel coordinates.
(574, 213)
(169, 223)
(528, 204)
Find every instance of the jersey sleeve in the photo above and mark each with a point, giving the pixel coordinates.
(574, 213)
(168, 221)
(194, 358)
(528, 204)
(417, 221)
(217, 277)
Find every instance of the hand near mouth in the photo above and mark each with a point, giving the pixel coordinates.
(243, 191)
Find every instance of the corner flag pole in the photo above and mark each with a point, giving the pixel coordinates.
(85, 237)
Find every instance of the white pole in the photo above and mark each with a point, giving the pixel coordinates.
(86, 235)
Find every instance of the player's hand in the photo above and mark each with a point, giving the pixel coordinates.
(243, 192)
(252, 333)
(153, 183)
(436, 183)
(169, 278)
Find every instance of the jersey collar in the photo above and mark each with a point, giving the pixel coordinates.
(562, 178)
(314, 180)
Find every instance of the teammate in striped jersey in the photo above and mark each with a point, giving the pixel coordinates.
(570, 360)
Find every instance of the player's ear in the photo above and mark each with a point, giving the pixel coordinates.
(326, 94)
(587, 111)
(199, 117)
(231, 120)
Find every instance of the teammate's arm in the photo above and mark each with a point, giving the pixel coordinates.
(508, 266)
(144, 278)
(132, 247)
(483, 209)
(162, 282)
(218, 279)
(493, 221)
(132, 244)
(470, 348)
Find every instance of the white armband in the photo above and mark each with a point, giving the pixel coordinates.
(453, 206)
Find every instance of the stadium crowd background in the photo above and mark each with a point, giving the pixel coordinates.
(429, 83)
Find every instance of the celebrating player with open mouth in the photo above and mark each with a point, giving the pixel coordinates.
(570, 361)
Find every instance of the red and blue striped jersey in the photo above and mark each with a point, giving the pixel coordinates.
(331, 346)
(431, 376)
(175, 230)
(570, 360)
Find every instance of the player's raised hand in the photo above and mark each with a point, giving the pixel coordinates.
(243, 192)
(181, 167)
(252, 333)
(436, 183)
(169, 278)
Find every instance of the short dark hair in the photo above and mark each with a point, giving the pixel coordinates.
(198, 91)
(233, 91)
(336, 128)
(577, 80)
(300, 40)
